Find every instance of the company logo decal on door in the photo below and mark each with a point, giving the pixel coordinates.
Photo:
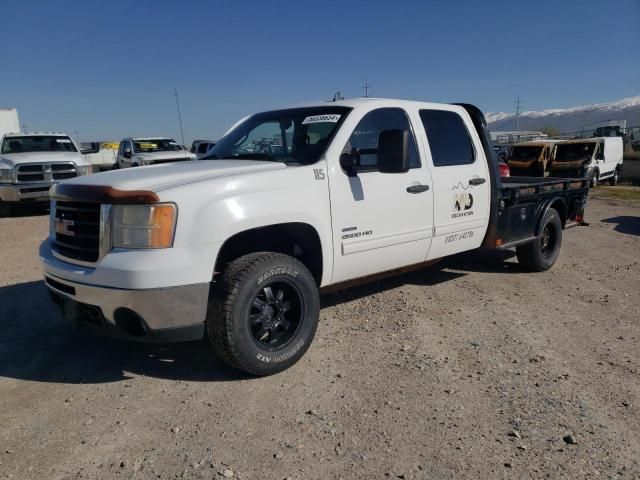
(462, 201)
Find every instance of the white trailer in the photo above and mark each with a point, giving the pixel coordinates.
(9, 122)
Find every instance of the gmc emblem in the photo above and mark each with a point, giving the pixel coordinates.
(64, 227)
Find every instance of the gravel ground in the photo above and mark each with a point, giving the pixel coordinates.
(470, 369)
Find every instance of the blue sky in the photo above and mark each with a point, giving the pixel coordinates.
(107, 69)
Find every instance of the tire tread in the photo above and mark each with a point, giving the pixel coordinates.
(223, 298)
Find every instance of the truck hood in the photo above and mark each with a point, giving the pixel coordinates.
(155, 156)
(10, 160)
(162, 177)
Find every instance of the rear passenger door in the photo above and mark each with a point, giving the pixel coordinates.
(461, 182)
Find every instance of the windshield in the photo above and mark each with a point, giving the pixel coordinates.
(38, 143)
(525, 153)
(298, 135)
(146, 145)
(575, 151)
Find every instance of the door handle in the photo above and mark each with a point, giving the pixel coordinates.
(417, 188)
(477, 181)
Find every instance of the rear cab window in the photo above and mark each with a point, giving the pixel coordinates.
(449, 140)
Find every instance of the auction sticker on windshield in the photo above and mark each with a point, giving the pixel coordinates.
(329, 118)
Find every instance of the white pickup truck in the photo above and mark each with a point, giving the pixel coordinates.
(289, 202)
(143, 151)
(31, 162)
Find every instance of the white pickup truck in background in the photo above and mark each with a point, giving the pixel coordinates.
(30, 163)
(288, 202)
(143, 151)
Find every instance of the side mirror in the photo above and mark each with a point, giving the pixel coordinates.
(393, 151)
(127, 153)
(349, 163)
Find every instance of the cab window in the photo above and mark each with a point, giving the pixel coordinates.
(363, 143)
(448, 138)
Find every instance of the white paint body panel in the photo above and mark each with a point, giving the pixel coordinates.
(613, 153)
(105, 157)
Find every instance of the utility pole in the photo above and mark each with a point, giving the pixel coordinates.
(366, 87)
(175, 92)
(518, 103)
(584, 123)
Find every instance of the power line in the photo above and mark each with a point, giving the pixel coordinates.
(518, 103)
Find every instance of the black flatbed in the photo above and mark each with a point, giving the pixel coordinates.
(518, 204)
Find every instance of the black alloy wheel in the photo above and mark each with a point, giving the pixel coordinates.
(276, 314)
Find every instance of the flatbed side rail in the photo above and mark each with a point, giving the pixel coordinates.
(519, 190)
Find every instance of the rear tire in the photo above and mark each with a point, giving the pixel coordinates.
(540, 254)
(613, 181)
(263, 313)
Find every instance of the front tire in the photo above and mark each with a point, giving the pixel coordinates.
(540, 254)
(593, 183)
(263, 313)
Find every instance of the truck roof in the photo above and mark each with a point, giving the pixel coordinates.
(356, 102)
(584, 140)
(135, 139)
(36, 134)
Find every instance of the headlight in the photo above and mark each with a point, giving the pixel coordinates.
(144, 226)
(6, 175)
(83, 169)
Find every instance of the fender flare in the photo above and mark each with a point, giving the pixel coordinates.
(544, 207)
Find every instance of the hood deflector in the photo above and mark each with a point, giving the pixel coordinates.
(101, 194)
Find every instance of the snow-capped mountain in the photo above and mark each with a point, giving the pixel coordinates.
(571, 119)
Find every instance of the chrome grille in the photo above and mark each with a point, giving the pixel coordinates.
(45, 172)
(76, 227)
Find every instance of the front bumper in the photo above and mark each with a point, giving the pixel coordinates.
(25, 192)
(166, 315)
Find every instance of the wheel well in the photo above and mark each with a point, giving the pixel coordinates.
(561, 208)
(298, 240)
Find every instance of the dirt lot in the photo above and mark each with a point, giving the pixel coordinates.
(472, 369)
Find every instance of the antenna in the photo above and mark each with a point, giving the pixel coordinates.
(366, 87)
(518, 103)
(337, 96)
(175, 92)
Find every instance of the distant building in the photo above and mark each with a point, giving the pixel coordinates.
(520, 136)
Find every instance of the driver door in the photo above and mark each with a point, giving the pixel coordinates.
(381, 221)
